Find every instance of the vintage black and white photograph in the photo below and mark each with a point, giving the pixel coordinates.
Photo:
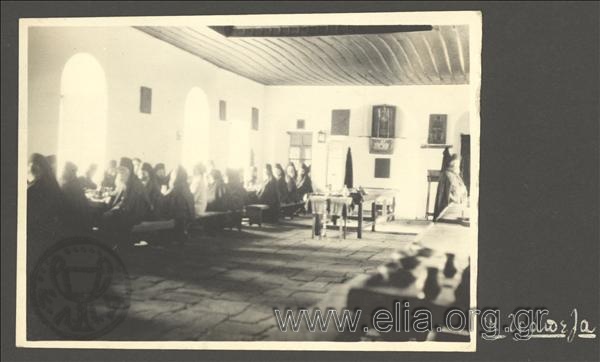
(305, 181)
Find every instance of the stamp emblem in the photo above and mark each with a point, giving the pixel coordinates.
(80, 289)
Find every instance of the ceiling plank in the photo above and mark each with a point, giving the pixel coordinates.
(430, 52)
(408, 68)
(291, 61)
(315, 49)
(268, 62)
(393, 76)
(265, 64)
(412, 46)
(371, 70)
(350, 57)
(446, 55)
(308, 60)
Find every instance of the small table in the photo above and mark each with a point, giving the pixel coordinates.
(324, 205)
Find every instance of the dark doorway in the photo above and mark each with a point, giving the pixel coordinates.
(465, 162)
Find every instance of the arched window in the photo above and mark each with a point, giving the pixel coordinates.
(83, 110)
(196, 128)
(240, 154)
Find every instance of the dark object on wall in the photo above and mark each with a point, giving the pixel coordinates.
(340, 122)
(255, 118)
(437, 129)
(145, 100)
(222, 110)
(384, 146)
(382, 168)
(384, 121)
(349, 176)
(300, 124)
(465, 160)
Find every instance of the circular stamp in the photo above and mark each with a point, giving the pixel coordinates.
(80, 289)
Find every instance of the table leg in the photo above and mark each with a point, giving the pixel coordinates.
(373, 214)
(360, 220)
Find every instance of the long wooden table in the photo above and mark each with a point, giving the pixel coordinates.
(382, 206)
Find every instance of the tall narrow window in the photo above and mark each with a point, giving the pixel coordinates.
(83, 107)
(300, 150)
(196, 129)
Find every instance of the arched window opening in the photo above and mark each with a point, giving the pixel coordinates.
(83, 113)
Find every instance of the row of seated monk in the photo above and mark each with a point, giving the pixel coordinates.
(134, 191)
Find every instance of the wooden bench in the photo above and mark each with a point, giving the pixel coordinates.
(291, 209)
(219, 219)
(153, 230)
(153, 226)
(256, 213)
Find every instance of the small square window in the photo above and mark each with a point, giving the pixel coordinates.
(255, 119)
(300, 124)
(146, 100)
(222, 110)
(382, 168)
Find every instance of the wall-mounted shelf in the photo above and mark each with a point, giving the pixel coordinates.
(428, 145)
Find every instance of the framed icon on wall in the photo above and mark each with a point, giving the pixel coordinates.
(437, 129)
(384, 121)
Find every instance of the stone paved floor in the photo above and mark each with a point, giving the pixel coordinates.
(225, 287)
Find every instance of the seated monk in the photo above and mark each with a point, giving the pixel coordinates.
(304, 183)
(290, 179)
(44, 207)
(108, 179)
(267, 194)
(234, 191)
(127, 207)
(178, 201)
(76, 211)
(199, 189)
(282, 189)
(216, 200)
(451, 188)
(151, 189)
(87, 181)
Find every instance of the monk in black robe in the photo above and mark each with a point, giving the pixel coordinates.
(282, 189)
(127, 207)
(178, 202)
(304, 183)
(290, 180)
(216, 191)
(76, 211)
(267, 194)
(151, 189)
(44, 207)
(451, 188)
